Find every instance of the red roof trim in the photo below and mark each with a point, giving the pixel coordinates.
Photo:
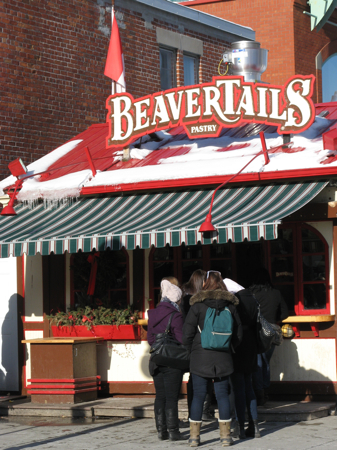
(193, 182)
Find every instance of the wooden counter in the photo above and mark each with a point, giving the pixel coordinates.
(63, 370)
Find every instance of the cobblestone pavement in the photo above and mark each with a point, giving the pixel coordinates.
(124, 434)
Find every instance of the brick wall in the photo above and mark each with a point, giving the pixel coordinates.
(141, 49)
(283, 29)
(52, 83)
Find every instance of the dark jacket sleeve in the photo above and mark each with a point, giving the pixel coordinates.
(284, 312)
(190, 327)
(151, 337)
(237, 328)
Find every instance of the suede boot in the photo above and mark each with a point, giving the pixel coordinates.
(225, 430)
(161, 426)
(194, 440)
(253, 429)
(173, 425)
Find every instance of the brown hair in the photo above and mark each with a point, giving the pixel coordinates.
(213, 282)
(195, 282)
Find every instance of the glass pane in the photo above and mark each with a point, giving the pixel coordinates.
(282, 270)
(118, 280)
(81, 271)
(118, 256)
(161, 270)
(167, 69)
(311, 243)
(190, 70)
(224, 267)
(221, 250)
(284, 243)
(163, 254)
(118, 299)
(191, 252)
(313, 267)
(288, 293)
(314, 296)
(329, 81)
(189, 267)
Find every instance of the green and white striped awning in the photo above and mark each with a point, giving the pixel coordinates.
(152, 219)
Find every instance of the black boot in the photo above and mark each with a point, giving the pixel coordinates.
(161, 424)
(260, 397)
(207, 415)
(253, 429)
(173, 425)
(242, 433)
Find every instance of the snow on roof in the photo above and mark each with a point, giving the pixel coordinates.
(172, 157)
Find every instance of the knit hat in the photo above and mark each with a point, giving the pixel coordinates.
(170, 291)
(232, 286)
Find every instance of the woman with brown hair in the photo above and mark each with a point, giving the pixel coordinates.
(194, 285)
(210, 364)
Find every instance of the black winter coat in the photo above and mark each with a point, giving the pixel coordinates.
(245, 356)
(272, 305)
(203, 362)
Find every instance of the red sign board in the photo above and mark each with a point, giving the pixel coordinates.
(205, 109)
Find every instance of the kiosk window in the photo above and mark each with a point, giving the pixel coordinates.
(111, 286)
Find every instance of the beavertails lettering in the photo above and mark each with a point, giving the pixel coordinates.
(203, 110)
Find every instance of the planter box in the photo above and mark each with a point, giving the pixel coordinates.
(113, 332)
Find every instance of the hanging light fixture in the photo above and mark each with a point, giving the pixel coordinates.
(207, 225)
(9, 210)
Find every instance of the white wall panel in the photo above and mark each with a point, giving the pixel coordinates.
(304, 360)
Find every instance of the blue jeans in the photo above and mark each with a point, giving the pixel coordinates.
(261, 378)
(221, 389)
(244, 396)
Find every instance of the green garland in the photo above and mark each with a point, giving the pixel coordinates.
(99, 316)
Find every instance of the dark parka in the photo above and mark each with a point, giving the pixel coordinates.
(272, 305)
(245, 357)
(210, 363)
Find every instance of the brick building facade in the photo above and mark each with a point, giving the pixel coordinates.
(52, 82)
(283, 29)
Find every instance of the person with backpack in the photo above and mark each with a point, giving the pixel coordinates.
(194, 285)
(212, 329)
(245, 363)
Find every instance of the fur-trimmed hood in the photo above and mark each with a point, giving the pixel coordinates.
(216, 295)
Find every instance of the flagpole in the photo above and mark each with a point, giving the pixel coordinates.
(114, 66)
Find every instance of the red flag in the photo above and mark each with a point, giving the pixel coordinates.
(114, 66)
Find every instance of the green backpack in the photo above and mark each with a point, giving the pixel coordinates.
(218, 329)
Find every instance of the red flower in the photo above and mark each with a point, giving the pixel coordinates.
(85, 318)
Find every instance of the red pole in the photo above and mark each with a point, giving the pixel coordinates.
(91, 163)
(265, 153)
